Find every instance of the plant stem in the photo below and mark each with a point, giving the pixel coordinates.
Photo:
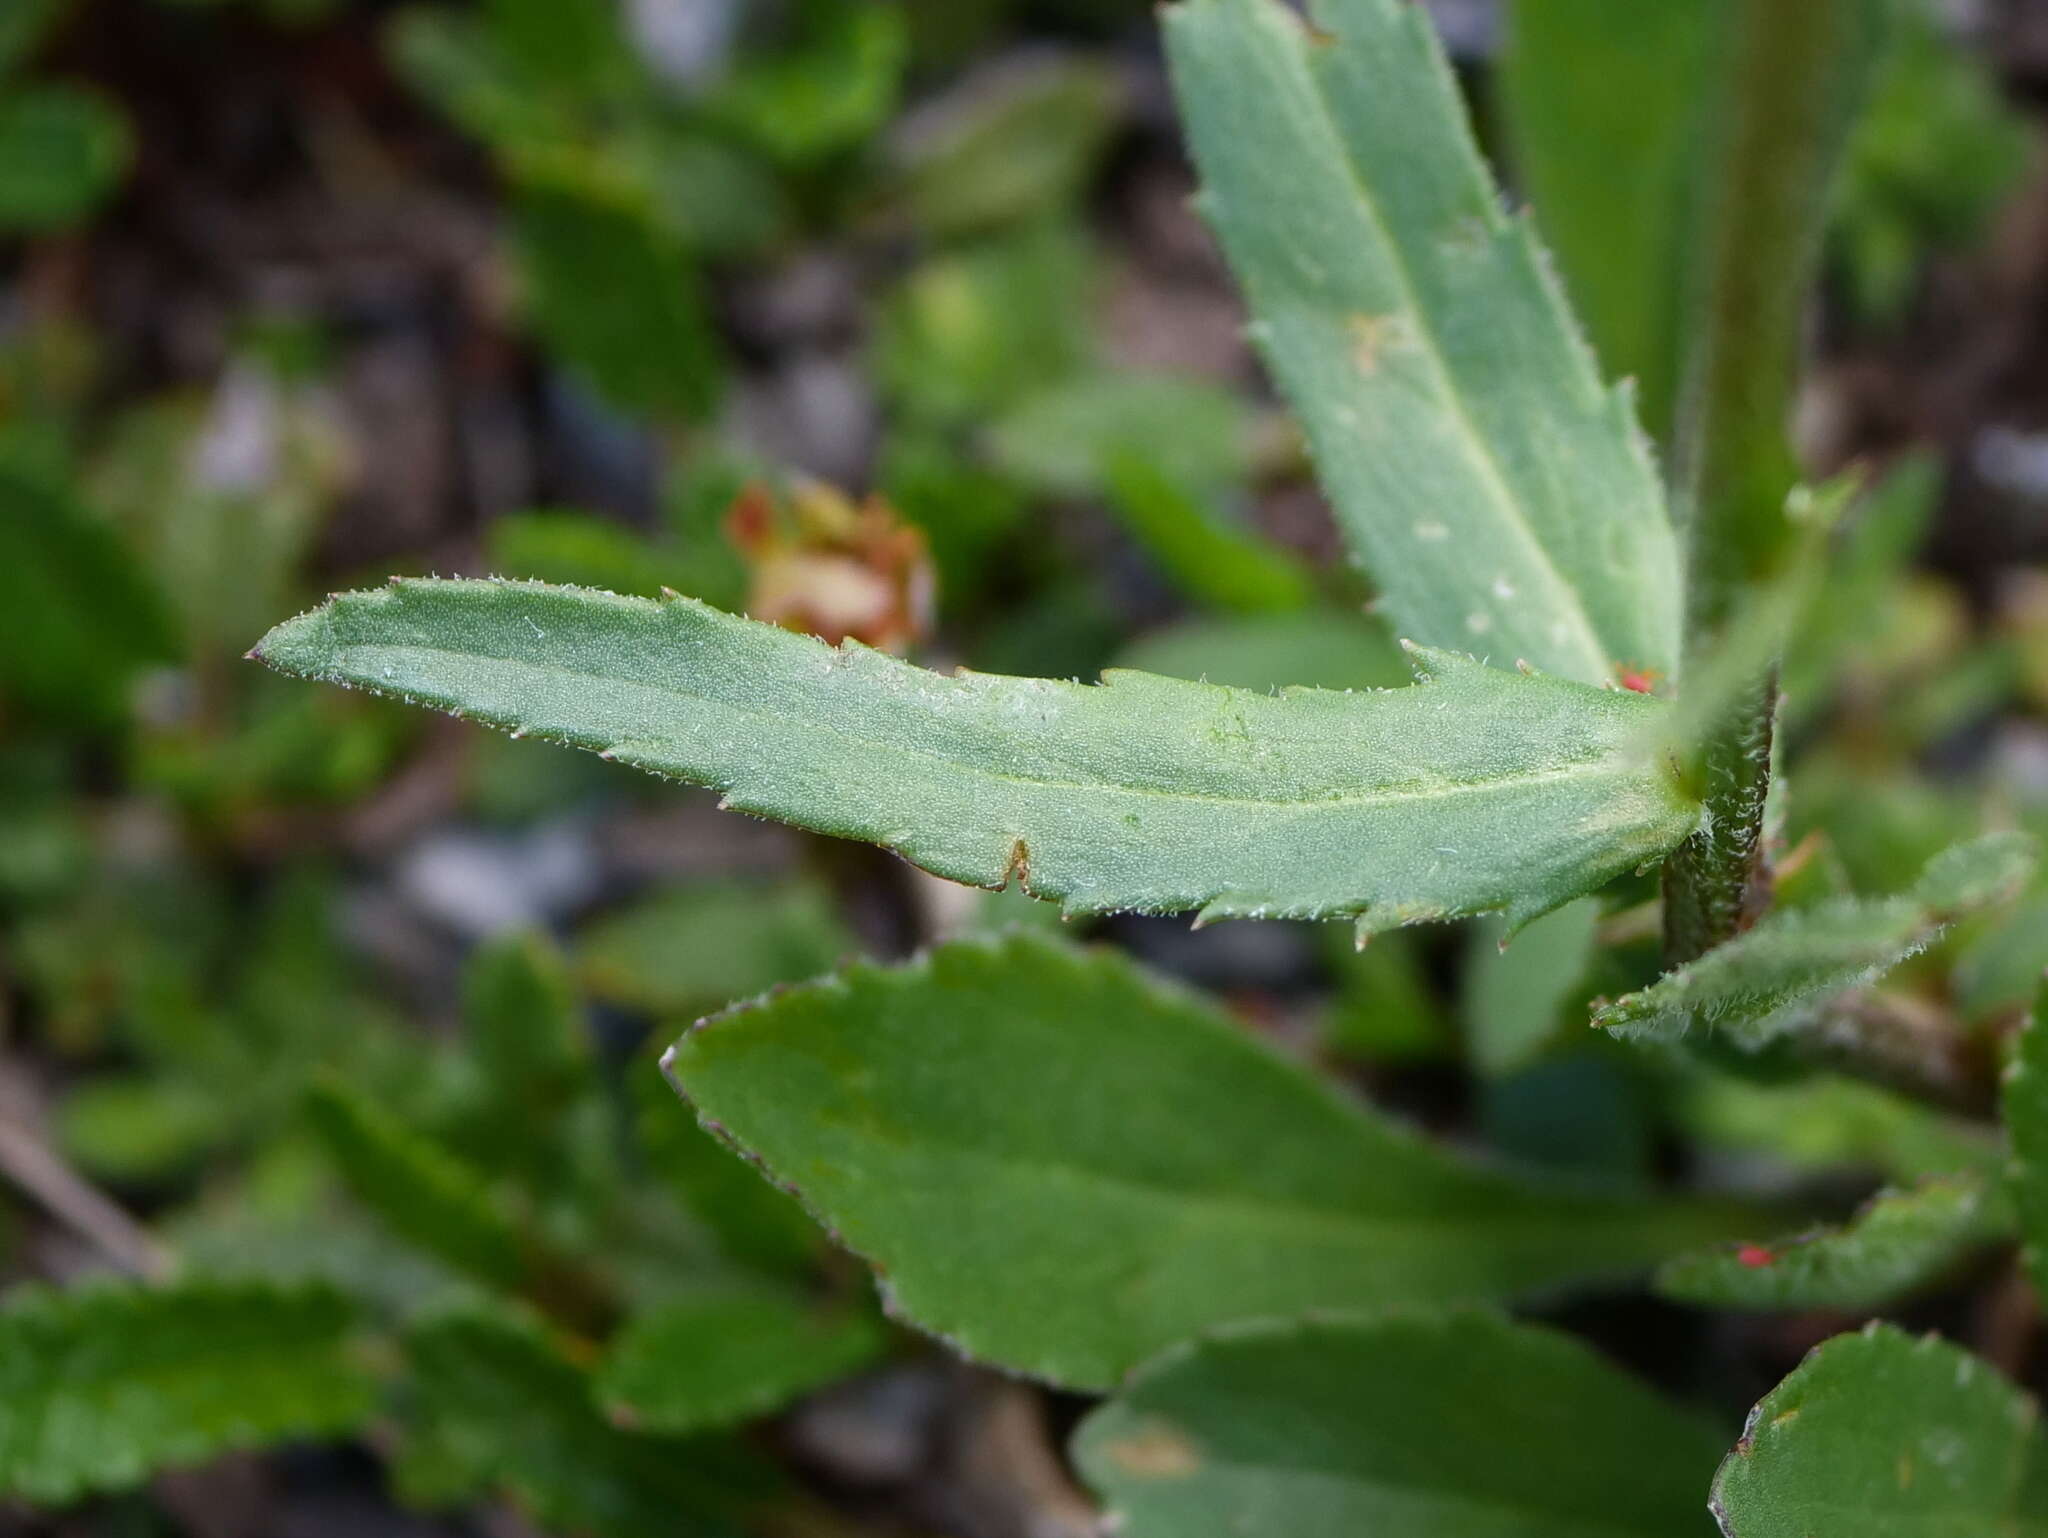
(1794, 74)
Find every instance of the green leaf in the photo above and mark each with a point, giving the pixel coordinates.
(1062, 440)
(81, 617)
(23, 26)
(1779, 976)
(524, 1030)
(1020, 145)
(618, 298)
(1883, 1436)
(2026, 1126)
(1317, 649)
(687, 949)
(1465, 1426)
(104, 1384)
(1606, 104)
(583, 550)
(1501, 496)
(825, 96)
(1517, 995)
(711, 1359)
(1899, 1243)
(61, 151)
(753, 1222)
(1062, 1166)
(502, 1406)
(1213, 559)
(424, 1194)
(1477, 789)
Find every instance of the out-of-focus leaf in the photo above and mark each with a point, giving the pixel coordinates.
(1900, 1242)
(523, 1027)
(2001, 967)
(1459, 1426)
(1008, 147)
(697, 947)
(106, 1383)
(2026, 1128)
(1778, 976)
(1211, 559)
(1515, 997)
(752, 1221)
(138, 1128)
(619, 299)
(1474, 790)
(1829, 1125)
(1063, 440)
(81, 618)
(829, 94)
(1884, 1436)
(1385, 1008)
(1607, 104)
(499, 1405)
(973, 333)
(1103, 1165)
(582, 550)
(1316, 649)
(1502, 497)
(1933, 156)
(422, 1192)
(710, 1359)
(23, 26)
(62, 150)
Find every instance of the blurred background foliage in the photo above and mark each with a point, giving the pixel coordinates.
(336, 1025)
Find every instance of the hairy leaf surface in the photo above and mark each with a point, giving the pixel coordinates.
(1883, 1436)
(1062, 1165)
(1502, 497)
(1476, 789)
(1898, 1243)
(1460, 1426)
(1779, 975)
(103, 1385)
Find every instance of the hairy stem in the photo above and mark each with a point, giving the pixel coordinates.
(1794, 74)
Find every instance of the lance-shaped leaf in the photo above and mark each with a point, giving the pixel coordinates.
(1464, 1426)
(1502, 497)
(2026, 1126)
(103, 1385)
(1062, 1165)
(1781, 975)
(1884, 1436)
(1900, 1242)
(1476, 789)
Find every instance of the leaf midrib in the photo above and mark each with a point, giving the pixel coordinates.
(1611, 763)
(1494, 475)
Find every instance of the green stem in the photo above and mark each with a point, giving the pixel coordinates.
(1794, 73)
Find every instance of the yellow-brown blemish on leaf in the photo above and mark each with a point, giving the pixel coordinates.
(1374, 336)
(1905, 1471)
(1155, 1449)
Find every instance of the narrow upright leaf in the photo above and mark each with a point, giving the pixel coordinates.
(105, 1384)
(1476, 789)
(1502, 497)
(1606, 105)
(1878, 1435)
(1459, 1426)
(1899, 1243)
(1062, 1166)
(1778, 976)
(1515, 1000)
